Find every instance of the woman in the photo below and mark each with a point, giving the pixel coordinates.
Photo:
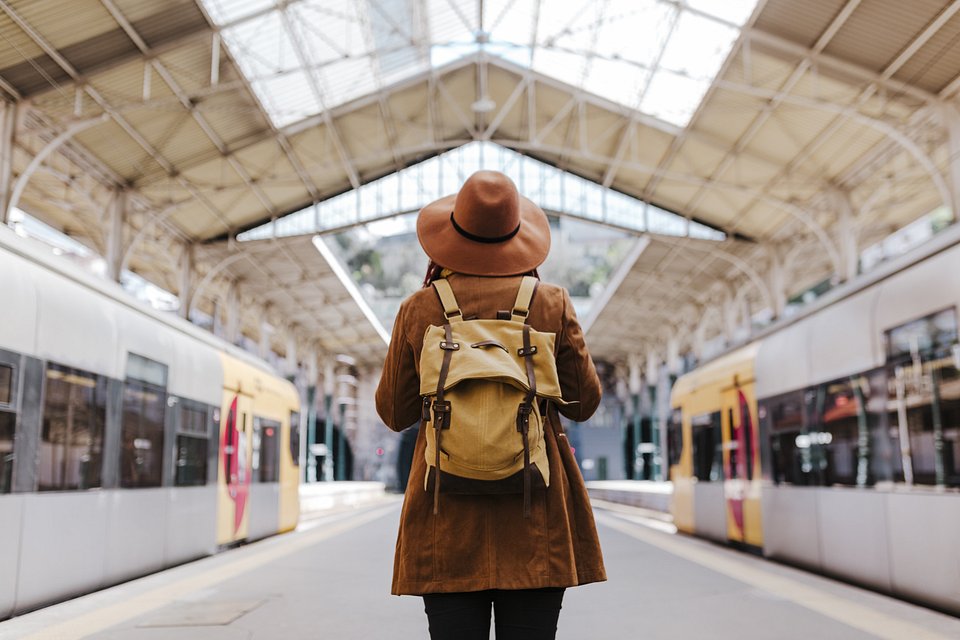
(481, 550)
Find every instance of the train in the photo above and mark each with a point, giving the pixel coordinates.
(130, 439)
(832, 440)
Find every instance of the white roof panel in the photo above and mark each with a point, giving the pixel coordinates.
(655, 55)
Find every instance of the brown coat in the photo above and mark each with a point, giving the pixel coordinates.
(483, 542)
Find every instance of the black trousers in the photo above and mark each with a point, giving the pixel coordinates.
(524, 614)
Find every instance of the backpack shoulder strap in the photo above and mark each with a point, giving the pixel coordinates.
(521, 308)
(451, 310)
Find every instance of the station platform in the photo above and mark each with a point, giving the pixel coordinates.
(331, 579)
(654, 496)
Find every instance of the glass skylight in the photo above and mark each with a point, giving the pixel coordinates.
(553, 189)
(304, 56)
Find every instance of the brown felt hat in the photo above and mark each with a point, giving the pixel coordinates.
(487, 229)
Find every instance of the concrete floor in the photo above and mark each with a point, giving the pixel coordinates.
(331, 579)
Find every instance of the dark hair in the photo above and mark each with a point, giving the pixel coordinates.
(434, 270)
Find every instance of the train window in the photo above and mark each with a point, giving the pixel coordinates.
(191, 461)
(193, 419)
(924, 401)
(934, 332)
(848, 426)
(707, 447)
(923, 398)
(141, 434)
(74, 417)
(266, 450)
(146, 370)
(8, 421)
(191, 446)
(791, 448)
(295, 438)
(674, 438)
(6, 384)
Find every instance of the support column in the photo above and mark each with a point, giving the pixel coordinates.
(232, 334)
(116, 227)
(8, 128)
(339, 470)
(674, 364)
(777, 280)
(674, 369)
(728, 314)
(652, 378)
(951, 120)
(846, 236)
(329, 386)
(634, 386)
(306, 444)
(700, 335)
(216, 327)
(186, 280)
(266, 332)
(746, 315)
(290, 361)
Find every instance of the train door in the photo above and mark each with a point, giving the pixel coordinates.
(741, 464)
(236, 438)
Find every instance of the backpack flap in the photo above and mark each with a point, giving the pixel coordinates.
(489, 350)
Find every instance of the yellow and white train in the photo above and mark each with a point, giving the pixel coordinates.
(130, 440)
(833, 440)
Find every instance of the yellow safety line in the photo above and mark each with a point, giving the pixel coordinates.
(112, 615)
(829, 604)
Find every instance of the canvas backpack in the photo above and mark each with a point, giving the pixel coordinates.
(482, 383)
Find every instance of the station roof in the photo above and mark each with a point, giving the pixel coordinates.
(216, 116)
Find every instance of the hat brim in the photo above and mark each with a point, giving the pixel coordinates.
(448, 248)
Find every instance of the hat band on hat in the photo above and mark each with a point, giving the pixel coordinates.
(470, 236)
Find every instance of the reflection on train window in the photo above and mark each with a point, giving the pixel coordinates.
(193, 419)
(791, 448)
(74, 416)
(923, 398)
(266, 450)
(841, 427)
(832, 433)
(191, 446)
(931, 333)
(141, 436)
(6, 384)
(146, 370)
(707, 447)
(191, 461)
(8, 421)
(295, 437)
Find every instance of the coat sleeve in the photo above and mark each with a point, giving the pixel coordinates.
(398, 401)
(578, 377)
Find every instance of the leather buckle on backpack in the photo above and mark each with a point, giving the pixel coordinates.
(441, 415)
(527, 352)
(425, 410)
(449, 346)
(523, 417)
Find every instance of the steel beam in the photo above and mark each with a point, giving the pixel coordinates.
(635, 386)
(776, 281)
(332, 130)
(951, 120)
(116, 230)
(187, 273)
(8, 130)
(329, 386)
(233, 313)
(846, 235)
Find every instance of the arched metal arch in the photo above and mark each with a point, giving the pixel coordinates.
(44, 153)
